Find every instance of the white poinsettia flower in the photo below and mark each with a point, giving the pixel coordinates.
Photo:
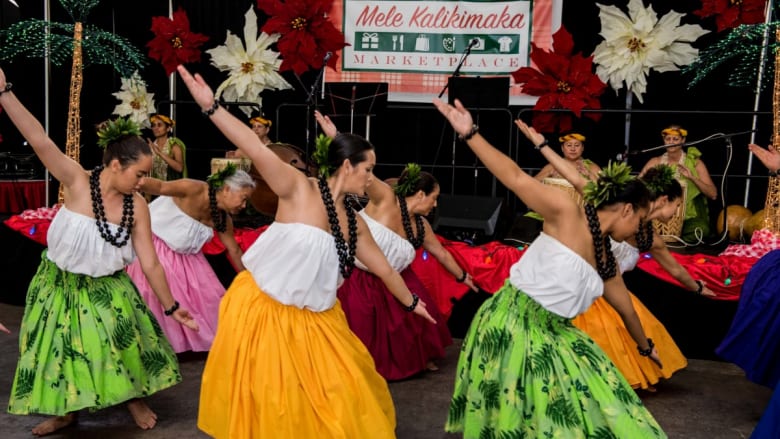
(252, 69)
(136, 103)
(635, 44)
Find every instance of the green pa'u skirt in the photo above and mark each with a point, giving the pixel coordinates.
(87, 343)
(525, 372)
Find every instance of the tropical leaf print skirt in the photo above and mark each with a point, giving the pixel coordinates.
(525, 372)
(87, 342)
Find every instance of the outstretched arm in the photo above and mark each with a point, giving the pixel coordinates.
(770, 157)
(432, 245)
(327, 125)
(282, 178)
(4, 329)
(62, 167)
(563, 166)
(545, 200)
(369, 254)
(173, 188)
(661, 254)
(617, 295)
(150, 265)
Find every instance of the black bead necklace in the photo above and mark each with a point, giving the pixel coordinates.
(346, 253)
(417, 241)
(644, 236)
(607, 269)
(126, 225)
(218, 217)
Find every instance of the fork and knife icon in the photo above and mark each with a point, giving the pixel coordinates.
(398, 40)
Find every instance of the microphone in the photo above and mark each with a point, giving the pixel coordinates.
(328, 55)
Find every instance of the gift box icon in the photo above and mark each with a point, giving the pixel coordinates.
(369, 40)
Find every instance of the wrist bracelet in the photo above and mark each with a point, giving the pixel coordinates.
(8, 87)
(543, 144)
(648, 351)
(470, 134)
(415, 300)
(701, 287)
(212, 109)
(172, 309)
(462, 278)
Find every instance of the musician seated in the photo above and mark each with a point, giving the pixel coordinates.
(261, 126)
(692, 173)
(572, 145)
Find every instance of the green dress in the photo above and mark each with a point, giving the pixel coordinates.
(86, 341)
(527, 372)
(697, 212)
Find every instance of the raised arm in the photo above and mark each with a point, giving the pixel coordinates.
(371, 255)
(282, 178)
(545, 200)
(616, 294)
(327, 125)
(560, 164)
(62, 167)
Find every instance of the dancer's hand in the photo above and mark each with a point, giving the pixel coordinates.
(706, 291)
(328, 127)
(529, 132)
(198, 88)
(470, 282)
(458, 116)
(183, 316)
(656, 359)
(422, 310)
(769, 157)
(4, 329)
(2, 80)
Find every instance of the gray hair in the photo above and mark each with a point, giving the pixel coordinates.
(240, 180)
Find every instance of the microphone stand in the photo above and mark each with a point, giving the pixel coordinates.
(311, 99)
(466, 54)
(456, 73)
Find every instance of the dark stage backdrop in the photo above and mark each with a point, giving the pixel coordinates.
(403, 132)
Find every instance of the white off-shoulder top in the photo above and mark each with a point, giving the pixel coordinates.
(296, 264)
(626, 255)
(398, 250)
(556, 277)
(183, 233)
(75, 245)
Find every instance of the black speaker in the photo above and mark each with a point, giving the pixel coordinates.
(468, 212)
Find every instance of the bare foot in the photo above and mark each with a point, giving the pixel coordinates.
(144, 416)
(53, 424)
(431, 366)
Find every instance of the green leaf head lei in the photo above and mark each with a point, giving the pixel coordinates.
(114, 130)
(217, 179)
(320, 156)
(411, 177)
(611, 182)
(660, 181)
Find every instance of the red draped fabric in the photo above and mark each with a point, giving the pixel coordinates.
(19, 195)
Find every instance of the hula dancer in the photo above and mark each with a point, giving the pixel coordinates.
(524, 369)
(87, 340)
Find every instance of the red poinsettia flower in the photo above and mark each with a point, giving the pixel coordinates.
(562, 81)
(307, 34)
(173, 42)
(731, 13)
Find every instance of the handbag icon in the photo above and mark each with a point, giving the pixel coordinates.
(422, 43)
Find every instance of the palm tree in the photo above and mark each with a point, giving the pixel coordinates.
(85, 44)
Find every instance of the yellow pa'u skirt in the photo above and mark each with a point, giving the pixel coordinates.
(278, 371)
(604, 325)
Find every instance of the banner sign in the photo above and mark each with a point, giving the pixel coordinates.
(416, 46)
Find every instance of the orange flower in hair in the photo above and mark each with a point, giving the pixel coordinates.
(675, 132)
(260, 119)
(162, 118)
(571, 136)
